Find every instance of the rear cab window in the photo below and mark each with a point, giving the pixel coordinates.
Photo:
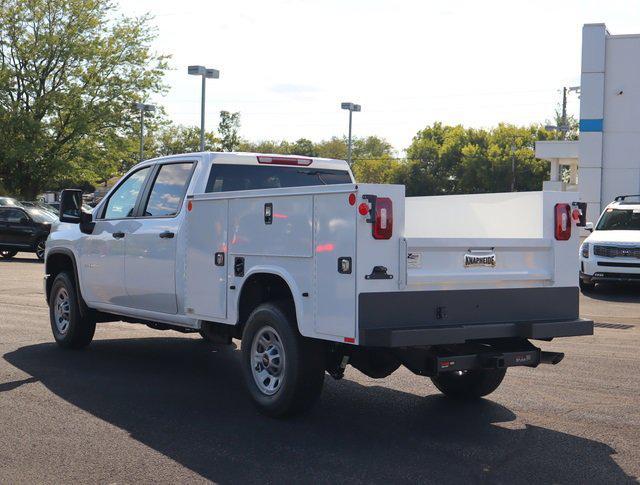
(230, 177)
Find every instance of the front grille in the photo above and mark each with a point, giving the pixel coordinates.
(617, 251)
(618, 276)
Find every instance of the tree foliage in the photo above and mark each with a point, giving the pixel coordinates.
(228, 129)
(69, 71)
(175, 139)
(456, 160)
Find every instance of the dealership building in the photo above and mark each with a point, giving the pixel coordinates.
(605, 162)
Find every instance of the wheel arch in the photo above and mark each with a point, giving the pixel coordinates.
(265, 283)
(58, 260)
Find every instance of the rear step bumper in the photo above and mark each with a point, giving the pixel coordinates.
(530, 357)
(460, 334)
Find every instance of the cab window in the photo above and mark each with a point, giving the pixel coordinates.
(123, 201)
(168, 190)
(228, 177)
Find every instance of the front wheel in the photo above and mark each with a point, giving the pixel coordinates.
(6, 254)
(283, 371)
(70, 328)
(470, 384)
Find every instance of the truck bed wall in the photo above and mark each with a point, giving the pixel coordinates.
(504, 215)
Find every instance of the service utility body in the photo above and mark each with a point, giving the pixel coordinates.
(314, 272)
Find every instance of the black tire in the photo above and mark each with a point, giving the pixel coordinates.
(39, 249)
(471, 384)
(584, 286)
(70, 329)
(6, 254)
(300, 383)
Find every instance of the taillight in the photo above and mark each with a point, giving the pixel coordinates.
(383, 218)
(563, 222)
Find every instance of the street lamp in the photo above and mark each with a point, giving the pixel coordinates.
(206, 74)
(351, 107)
(143, 108)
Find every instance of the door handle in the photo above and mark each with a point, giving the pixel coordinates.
(118, 235)
(166, 235)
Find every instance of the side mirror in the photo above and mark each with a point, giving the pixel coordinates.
(71, 206)
(24, 221)
(589, 226)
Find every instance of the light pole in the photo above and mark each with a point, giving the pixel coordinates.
(513, 167)
(351, 107)
(143, 108)
(206, 74)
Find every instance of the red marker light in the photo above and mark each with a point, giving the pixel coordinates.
(190, 206)
(352, 199)
(363, 209)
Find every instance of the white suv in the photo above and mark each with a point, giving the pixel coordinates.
(612, 252)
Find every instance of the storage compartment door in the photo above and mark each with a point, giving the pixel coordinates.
(207, 260)
(334, 238)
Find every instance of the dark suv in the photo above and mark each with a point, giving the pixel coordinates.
(24, 229)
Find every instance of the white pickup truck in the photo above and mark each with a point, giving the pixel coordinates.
(314, 272)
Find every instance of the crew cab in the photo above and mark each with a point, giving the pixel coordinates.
(611, 253)
(315, 272)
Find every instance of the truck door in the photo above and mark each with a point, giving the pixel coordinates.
(102, 254)
(207, 259)
(150, 256)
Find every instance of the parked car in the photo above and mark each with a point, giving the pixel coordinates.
(24, 229)
(39, 205)
(611, 253)
(9, 201)
(56, 207)
(315, 272)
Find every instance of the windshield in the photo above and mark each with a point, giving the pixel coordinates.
(620, 220)
(40, 215)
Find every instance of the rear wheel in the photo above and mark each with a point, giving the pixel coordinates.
(40, 247)
(283, 371)
(471, 384)
(70, 329)
(5, 254)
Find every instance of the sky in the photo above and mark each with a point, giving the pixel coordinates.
(286, 65)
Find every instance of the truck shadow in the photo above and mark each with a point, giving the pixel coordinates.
(185, 399)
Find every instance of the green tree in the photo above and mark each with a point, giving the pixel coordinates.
(175, 139)
(228, 128)
(69, 71)
(458, 160)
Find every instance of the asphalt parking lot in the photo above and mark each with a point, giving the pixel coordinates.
(147, 406)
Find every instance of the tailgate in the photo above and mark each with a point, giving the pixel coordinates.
(483, 261)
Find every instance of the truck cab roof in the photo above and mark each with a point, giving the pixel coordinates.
(244, 158)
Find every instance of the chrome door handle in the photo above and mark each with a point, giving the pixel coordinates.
(118, 235)
(166, 235)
